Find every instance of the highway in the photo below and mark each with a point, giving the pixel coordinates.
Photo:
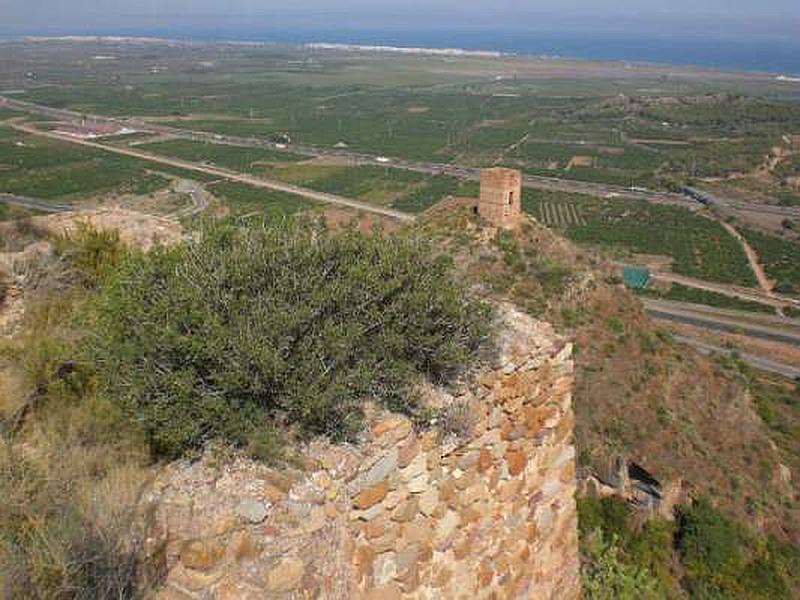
(689, 198)
(355, 158)
(767, 327)
(756, 361)
(260, 182)
(714, 200)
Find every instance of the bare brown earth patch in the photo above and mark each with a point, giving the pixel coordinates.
(339, 217)
(137, 229)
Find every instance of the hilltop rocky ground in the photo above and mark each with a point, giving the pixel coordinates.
(701, 426)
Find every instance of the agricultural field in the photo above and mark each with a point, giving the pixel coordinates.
(780, 257)
(243, 199)
(606, 123)
(237, 158)
(404, 190)
(45, 168)
(698, 246)
(6, 113)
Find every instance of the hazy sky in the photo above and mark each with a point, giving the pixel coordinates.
(735, 17)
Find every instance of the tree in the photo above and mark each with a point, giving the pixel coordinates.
(241, 329)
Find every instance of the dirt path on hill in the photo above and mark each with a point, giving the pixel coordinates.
(764, 282)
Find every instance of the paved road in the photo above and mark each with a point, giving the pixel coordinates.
(689, 199)
(717, 201)
(734, 291)
(759, 326)
(355, 158)
(199, 195)
(751, 359)
(224, 174)
(46, 206)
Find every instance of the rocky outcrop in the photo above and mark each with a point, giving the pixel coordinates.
(485, 509)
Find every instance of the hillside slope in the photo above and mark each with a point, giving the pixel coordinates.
(639, 396)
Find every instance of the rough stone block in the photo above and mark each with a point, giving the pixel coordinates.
(371, 496)
(286, 576)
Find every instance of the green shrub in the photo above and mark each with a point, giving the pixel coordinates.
(94, 253)
(606, 576)
(623, 558)
(722, 559)
(279, 323)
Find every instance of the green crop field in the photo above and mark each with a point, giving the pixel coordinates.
(237, 158)
(244, 199)
(6, 113)
(404, 190)
(699, 246)
(638, 127)
(781, 259)
(45, 168)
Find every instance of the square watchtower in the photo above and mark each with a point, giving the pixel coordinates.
(500, 202)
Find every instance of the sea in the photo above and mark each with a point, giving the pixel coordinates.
(741, 52)
(780, 56)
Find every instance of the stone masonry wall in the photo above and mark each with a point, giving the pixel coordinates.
(487, 513)
(500, 201)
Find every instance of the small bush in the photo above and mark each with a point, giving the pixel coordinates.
(94, 253)
(606, 576)
(240, 328)
(5, 284)
(458, 419)
(19, 233)
(52, 545)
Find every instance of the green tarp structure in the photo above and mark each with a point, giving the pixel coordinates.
(636, 278)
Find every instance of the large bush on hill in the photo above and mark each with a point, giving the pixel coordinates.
(243, 329)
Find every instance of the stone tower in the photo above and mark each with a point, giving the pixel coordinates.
(501, 197)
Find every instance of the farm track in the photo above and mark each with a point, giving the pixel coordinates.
(224, 174)
(752, 258)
